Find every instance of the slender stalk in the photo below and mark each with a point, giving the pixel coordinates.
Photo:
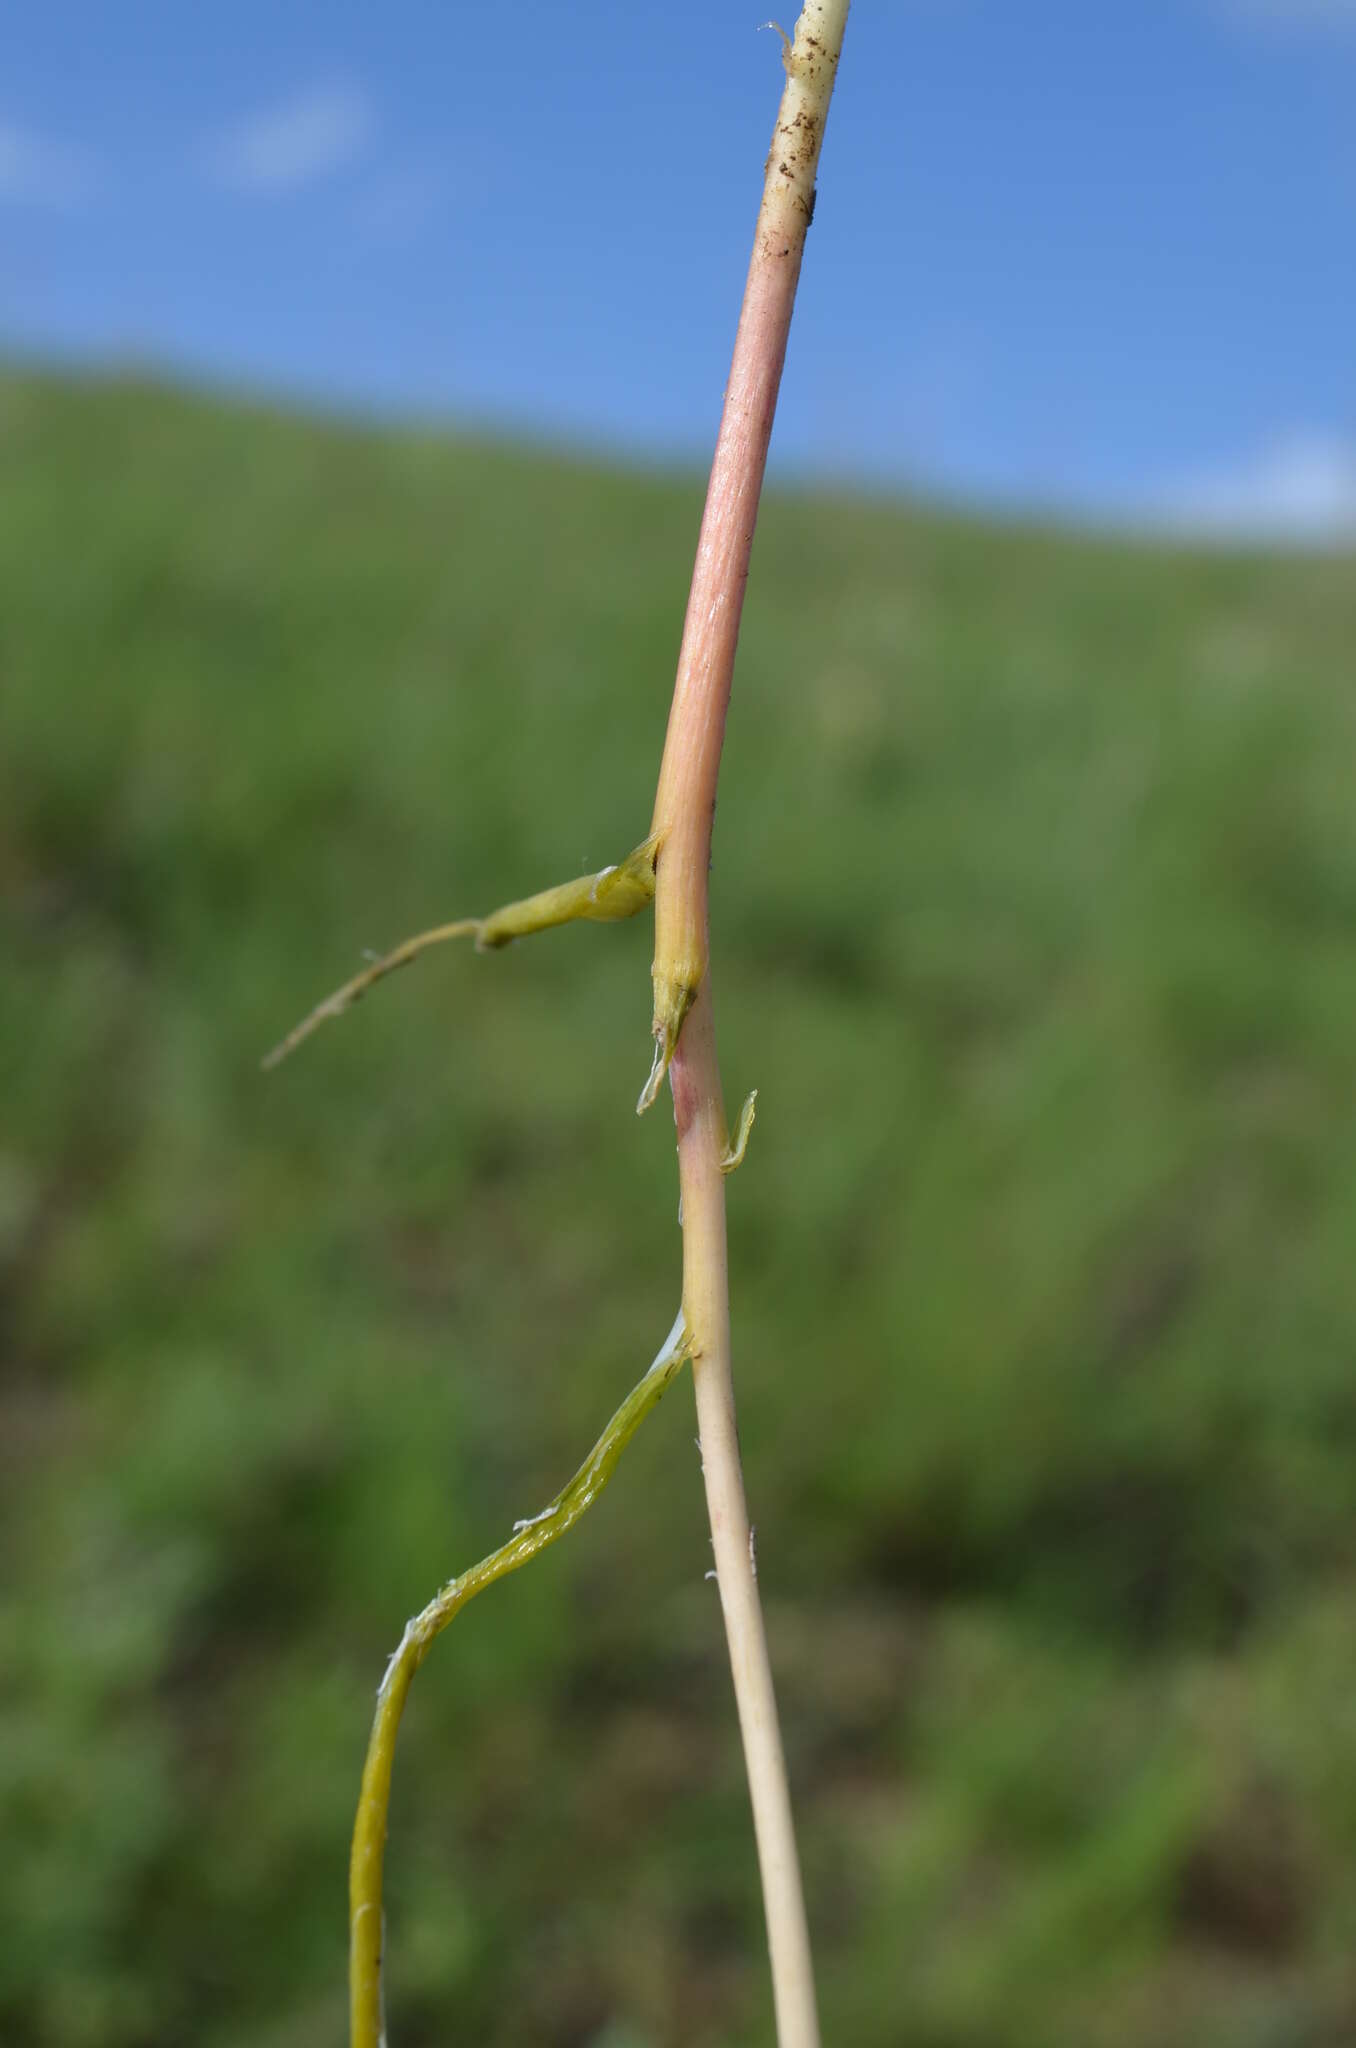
(684, 1021)
(702, 1152)
(685, 799)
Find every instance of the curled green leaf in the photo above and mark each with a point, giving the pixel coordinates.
(367, 1861)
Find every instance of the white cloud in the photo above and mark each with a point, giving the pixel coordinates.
(306, 138)
(35, 172)
(1301, 489)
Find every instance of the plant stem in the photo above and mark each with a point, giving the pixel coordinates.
(684, 1021)
(685, 799)
(702, 1143)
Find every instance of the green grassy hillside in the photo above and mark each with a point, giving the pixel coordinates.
(1035, 926)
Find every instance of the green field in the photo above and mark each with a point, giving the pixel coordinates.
(1035, 926)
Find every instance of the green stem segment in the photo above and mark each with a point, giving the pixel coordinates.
(366, 1923)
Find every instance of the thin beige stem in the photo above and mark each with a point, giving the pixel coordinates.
(703, 1155)
(684, 1025)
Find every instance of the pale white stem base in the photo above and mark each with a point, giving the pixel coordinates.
(702, 1156)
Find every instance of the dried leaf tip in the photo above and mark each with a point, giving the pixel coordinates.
(612, 894)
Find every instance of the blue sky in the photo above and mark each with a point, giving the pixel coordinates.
(1088, 255)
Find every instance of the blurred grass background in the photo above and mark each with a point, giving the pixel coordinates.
(1035, 925)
